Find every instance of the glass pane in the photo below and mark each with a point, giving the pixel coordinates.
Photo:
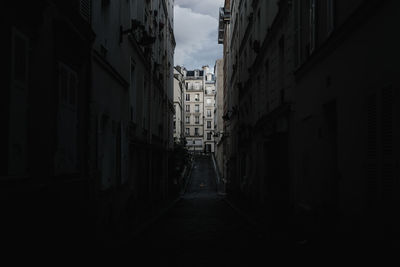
(20, 59)
(73, 88)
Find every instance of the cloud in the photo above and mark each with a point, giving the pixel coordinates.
(196, 34)
(205, 7)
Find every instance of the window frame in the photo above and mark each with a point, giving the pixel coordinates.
(330, 10)
(313, 25)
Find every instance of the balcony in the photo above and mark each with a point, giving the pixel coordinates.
(224, 15)
(192, 88)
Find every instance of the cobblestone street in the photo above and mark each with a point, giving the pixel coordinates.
(202, 228)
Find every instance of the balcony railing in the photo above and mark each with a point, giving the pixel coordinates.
(200, 88)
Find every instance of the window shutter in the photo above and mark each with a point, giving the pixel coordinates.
(18, 105)
(372, 164)
(85, 8)
(297, 48)
(312, 25)
(67, 121)
(387, 143)
(73, 89)
(330, 16)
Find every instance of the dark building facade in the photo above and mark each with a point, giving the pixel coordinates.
(44, 109)
(311, 114)
(87, 108)
(347, 101)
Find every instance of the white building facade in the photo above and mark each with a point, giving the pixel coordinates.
(199, 105)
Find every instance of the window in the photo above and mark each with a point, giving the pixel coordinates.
(209, 113)
(281, 62)
(187, 97)
(133, 92)
(196, 131)
(197, 119)
(298, 33)
(187, 131)
(187, 119)
(144, 101)
(68, 84)
(20, 59)
(330, 16)
(18, 149)
(312, 25)
(197, 97)
(208, 124)
(197, 108)
(174, 126)
(67, 120)
(85, 9)
(187, 108)
(134, 9)
(209, 136)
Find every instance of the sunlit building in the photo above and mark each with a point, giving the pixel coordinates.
(199, 109)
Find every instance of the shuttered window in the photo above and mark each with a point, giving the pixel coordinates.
(372, 164)
(133, 92)
(298, 33)
(312, 25)
(85, 9)
(18, 104)
(330, 15)
(387, 143)
(67, 120)
(380, 142)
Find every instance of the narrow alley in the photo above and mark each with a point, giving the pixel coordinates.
(200, 133)
(201, 226)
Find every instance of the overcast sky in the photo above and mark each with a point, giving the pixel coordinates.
(196, 33)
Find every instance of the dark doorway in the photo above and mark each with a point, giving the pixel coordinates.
(277, 181)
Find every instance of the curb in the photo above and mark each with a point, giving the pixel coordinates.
(189, 177)
(219, 180)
